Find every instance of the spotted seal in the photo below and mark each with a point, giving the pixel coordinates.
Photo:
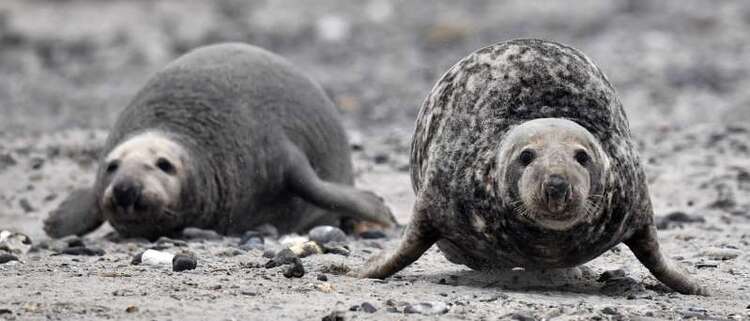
(522, 157)
(226, 137)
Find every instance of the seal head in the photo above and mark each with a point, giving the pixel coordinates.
(144, 177)
(552, 172)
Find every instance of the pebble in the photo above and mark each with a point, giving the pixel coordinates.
(706, 264)
(296, 270)
(192, 233)
(381, 158)
(368, 307)
(16, 243)
(621, 286)
(83, 250)
(334, 316)
(611, 274)
(610, 311)
(325, 287)
(5, 258)
(427, 308)
(292, 239)
(184, 261)
(26, 205)
(322, 277)
(677, 219)
(335, 249)
(131, 309)
(252, 240)
(5, 311)
(326, 234)
(154, 257)
(306, 249)
(284, 257)
(519, 316)
(721, 254)
(372, 234)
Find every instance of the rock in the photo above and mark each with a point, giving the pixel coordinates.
(322, 277)
(677, 219)
(611, 274)
(195, 234)
(184, 261)
(621, 286)
(306, 249)
(326, 234)
(368, 307)
(610, 311)
(334, 249)
(131, 309)
(26, 205)
(5, 258)
(252, 240)
(137, 259)
(154, 257)
(325, 287)
(15, 243)
(291, 239)
(372, 234)
(5, 311)
(721, 254)
(381, 158)
(336, 269)
(82, 250)
(519, 316)
(296, 270)
(427, 308)
(706, 264)
(284, 257)
(334, 316)
(37, 163)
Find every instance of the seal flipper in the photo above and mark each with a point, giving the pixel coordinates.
(358, 204)
(78, 214)
(645, 246)
(418, 237)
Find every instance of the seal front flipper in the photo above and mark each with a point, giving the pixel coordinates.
(418, 238)
(645, 246)
(357, 204)
(78, 214)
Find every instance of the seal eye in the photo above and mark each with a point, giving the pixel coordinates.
(582, 157)
(112, 166)
(165, 166)
(526, 157)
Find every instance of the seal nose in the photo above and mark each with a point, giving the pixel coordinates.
(126, 193)
(556, 187)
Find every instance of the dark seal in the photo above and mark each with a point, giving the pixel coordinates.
(227, 137)
(522, 157)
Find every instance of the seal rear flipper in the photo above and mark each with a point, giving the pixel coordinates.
(418, 237)
(305, 183)
(78, 214)
(645, 246)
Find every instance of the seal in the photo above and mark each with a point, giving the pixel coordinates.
(226, 137)
(522, 157)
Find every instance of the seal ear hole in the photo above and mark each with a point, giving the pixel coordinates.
(165, 165)
(112, 166)
(582, 157)
(526, 157)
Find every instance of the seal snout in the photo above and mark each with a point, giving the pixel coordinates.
(556, 192)
(126, 193)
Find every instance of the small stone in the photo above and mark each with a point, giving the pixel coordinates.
(610, 311)
(326, 234)
(427, 308)
(137, 259)
(621, 286)
(368, 307)
(611, 274)
(192, 233)
(372, 234)
(334, 316)
(721, 254)
(37, 163)
(184, 261)
(322, 277)
(296, 270)
(706, 264)
(131, 309)
(26, 205)
(336, 269)
(252, 240)
(15, 243)
(677, 219)
(381, 158)
(82, 250)
(284, 257)
(292, 239)
(5, 311)
(154, 257)
(325, 287)
(5, 258)
(335, 249)
(269, 254)
(306, 249)
(519, 316)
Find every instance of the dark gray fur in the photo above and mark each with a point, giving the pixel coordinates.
(454, 151)
(265, 144)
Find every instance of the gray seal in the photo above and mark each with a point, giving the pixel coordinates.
(226, 137)
(522, 157)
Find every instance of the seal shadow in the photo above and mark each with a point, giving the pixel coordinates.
(581, 280)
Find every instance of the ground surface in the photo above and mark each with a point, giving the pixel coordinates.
(682, 69)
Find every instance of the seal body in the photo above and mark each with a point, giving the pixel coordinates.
(226, 137)
(522, 157)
